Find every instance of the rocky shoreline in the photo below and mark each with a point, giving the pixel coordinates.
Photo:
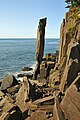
(52, 91)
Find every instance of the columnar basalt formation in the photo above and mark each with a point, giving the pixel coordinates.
(66, 74)
(40, 42)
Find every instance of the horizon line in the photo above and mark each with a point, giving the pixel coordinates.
(30, 38)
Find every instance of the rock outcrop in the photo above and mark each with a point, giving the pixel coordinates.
(69, 53)
(8, 81)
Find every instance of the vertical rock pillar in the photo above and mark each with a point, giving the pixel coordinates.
(40, 42)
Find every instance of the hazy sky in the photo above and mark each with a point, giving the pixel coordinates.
(19, 18)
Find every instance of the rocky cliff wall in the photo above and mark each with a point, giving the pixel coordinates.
(68, 64)
(65, 77)
(69, 55)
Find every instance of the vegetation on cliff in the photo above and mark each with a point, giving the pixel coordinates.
(72, 3)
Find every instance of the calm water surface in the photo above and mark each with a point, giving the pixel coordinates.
(17, 53)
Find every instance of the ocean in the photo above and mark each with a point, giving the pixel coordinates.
(18, 53)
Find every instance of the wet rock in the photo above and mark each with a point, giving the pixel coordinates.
(26, 69)
(8, 81)
(27, 74)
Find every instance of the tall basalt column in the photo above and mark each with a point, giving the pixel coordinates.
(40, 42)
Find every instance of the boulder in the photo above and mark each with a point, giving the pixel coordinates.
(12, 115)
(22, 97)
(42, 69)
(70, 104)
(51, 57)
(1, 81)
(38, 115)
(8, 110)
(28, 74)
(14, 89)
(50, 65)
(54, 77)
(8, 81)
(26, 69)
(15, 115)
(58, 114)
(45, 68)
(44, 100)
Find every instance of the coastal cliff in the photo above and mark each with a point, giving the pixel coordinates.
(66, 72)
(55, 94)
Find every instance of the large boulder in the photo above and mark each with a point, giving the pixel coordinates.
(70, 104)
(51, 57)
(14, 89)
(58, 114)
(8, 81)
(13, 114)
(8, 110)
(22, 97)
(38, 115)
(26, 69)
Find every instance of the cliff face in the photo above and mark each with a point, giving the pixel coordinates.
(69, 49)
(66, 72)
(69, 53)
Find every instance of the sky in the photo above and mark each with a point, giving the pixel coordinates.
(20, 18)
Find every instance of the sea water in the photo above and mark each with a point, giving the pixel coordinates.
(17, 53)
